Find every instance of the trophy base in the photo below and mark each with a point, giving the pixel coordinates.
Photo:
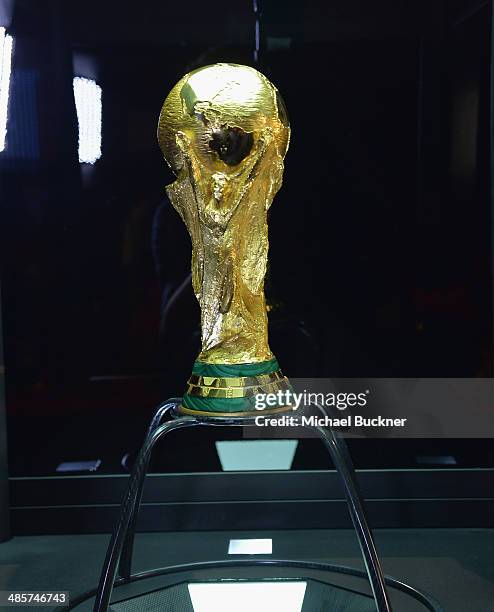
(236, 390)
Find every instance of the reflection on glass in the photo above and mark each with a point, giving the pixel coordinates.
(5, 67)
(251, 546)
(87, 96)
(244, 455)
(247, 596)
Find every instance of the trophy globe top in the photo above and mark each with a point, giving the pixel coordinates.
(221, 111)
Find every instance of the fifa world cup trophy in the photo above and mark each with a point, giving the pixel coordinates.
(224, 131)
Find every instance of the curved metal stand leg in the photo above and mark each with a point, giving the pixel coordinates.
(114, 551)
(341, 458)
(125, 564)
(161, 412)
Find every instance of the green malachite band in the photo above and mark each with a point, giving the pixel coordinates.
(223, 404)
(241, 369)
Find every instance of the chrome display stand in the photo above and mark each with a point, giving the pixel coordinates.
(119, 553)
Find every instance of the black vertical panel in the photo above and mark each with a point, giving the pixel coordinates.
(491, 142)
(4, 498)
(5, 18)
(40, 208)
(6, 8)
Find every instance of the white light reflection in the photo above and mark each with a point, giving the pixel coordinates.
(6, 44)
(87, 94)
(248, 596)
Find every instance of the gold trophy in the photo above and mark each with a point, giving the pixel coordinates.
(224, 131)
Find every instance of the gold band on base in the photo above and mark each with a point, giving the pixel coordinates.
(236, 392)
(239, 381)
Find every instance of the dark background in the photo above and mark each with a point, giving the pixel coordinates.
(380, 257)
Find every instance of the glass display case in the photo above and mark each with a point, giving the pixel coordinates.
(379, 268)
